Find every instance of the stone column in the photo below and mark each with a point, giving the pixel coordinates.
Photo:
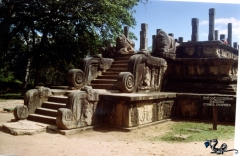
(222, 36)
(171, 34)
(195, 23)
(126, 29)
(216, 35)
(153, 43)
(180, 39)
(235, 45)
(230, 34)
(211, 24)
(143, 37)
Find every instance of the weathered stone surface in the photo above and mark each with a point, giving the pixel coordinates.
(124, 45)
(229, 34)
(195, 23)
(211, 24)
(207, 75)
(24, 127)
(133, 110)
(206, 49)
(80, 111)
(148, 71)
(91, 68)
(164, 45)
(32, 100)
(143, 37)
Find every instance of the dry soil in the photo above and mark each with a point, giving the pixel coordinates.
(99, 142)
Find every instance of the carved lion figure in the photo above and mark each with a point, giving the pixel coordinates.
(124, 45)
(164, 43)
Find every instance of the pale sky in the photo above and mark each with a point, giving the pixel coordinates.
(175, 17)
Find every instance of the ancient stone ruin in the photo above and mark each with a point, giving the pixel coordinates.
(126, 89)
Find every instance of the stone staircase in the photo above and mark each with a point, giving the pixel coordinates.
(108, 79)
(48, 112)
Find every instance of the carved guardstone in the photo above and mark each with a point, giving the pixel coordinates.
(147, 71)
(164, 45)
(32, 100)
(80, 111)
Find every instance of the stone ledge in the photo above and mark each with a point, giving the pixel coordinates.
(71, 131)
(129, 129)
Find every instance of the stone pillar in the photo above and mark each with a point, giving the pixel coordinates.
(230, 34)
(216, 35)
(180, 39)
(171, 34)
(153, 43)
(126, 29)
(211, 24)
(195, 23)
(222, 36)
(143, 37)
(235, 45)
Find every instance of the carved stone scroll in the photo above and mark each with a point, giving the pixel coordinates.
(80, 111)
(75, 78)
(32, 100)
(125, 82)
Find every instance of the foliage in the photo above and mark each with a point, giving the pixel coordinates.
(55, 34)
(197, 132)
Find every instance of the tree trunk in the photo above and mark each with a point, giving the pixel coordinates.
(24, 90)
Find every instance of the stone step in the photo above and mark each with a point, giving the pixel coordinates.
(42, 119)
(58, 92)
(58, 99)
(111, 73)
(59, 87)
(105, 86)
(53, 105)
(107, 77)
(46, 111)
(104, 81)
(118, 69)
(120, 61)
(120, 65)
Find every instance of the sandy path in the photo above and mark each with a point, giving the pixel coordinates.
(99, 142)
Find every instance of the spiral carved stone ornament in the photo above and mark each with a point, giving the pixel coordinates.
(125, 82)
(75, 78)
(21, 112)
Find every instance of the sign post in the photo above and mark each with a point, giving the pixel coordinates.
(215, 102)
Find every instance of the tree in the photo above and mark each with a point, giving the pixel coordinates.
(57, 33)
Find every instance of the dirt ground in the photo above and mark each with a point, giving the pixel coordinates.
(99, 142)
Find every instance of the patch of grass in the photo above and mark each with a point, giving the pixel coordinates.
(196, 132)
(8, 96)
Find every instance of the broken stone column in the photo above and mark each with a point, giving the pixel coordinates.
(143, 37)
(235, 45)
(126, 29)
(216, 34)
(211, 24)
(180, 39)
(195, 23)
(222, 36)
(230, 34)
(171, 34)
